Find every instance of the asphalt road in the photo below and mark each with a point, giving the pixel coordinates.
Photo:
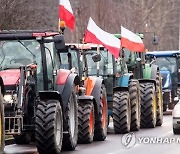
(113, 144)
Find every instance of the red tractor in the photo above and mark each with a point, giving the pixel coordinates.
(40, 103)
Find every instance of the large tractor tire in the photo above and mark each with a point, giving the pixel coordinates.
(70, 138)
(148, 105)
(23, 138)
(134, 93)
(2, 135)
(121, 112)
(49, 127)
(101, 121)
(159, 119)
(86, 119)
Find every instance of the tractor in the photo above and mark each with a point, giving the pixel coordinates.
(92, 101)
(39, 98)
(100, 63)
(150, 82)
(168, 62)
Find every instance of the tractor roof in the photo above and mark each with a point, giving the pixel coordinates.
(87, 46)
(163, 53)
(25, 34)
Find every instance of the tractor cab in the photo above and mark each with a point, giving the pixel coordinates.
(168, 63)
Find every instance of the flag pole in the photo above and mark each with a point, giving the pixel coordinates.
(98, 52)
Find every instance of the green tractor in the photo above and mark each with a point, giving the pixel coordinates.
(149, 77)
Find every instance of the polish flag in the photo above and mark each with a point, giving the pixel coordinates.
(66, 13)
(94, 34)
(131, 41)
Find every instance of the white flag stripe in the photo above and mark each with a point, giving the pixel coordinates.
(66, 5)
(130, 35)
(102, 35)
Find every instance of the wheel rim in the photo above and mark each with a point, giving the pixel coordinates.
(154, 107)
(104, 113)
(91, 123)
(72, 116)
(58, 128)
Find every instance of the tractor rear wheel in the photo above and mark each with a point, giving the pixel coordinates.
(86, 122)
(2, 135)
(49, 127)
(101, 121)
(121, 112)
(134, 93)
(148, 105)
(71, 123)
(159, 119)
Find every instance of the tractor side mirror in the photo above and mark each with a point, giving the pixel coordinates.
(59, 42)
(96, 58)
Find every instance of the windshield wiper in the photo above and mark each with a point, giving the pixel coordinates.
(26, 47)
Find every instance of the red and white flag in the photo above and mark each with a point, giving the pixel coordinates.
(66, 13)
(131, 41)
(94, 34)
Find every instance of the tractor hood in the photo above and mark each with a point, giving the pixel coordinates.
(166, 79)
(10, 76)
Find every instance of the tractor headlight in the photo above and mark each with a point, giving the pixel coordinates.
(8, 98)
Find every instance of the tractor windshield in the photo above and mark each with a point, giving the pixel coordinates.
(105, 64)
(14, 54)
(167, 64)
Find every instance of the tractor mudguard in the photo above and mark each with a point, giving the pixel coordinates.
(147, 80)
(120, 89)
(96, 93)
(123, 81)
(66, 89)
(2, 86)
(47, 95)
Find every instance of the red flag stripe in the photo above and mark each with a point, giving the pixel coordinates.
(132, 46)
(66, 16)
(91, 38)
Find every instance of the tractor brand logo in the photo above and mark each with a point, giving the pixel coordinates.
(128, 140)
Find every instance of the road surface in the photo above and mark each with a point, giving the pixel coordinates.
(113, 144)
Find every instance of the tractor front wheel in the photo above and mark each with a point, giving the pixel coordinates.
(148, 105)
(86, 121)
(121, 112)
(134, 92)
(49, 127)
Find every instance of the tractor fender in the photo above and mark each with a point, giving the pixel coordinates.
(96, 93)
(81, 99)
(123, 81)
(120, 89)
(2, 86)
(147, 81)
(66, 89)
(46, 95)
